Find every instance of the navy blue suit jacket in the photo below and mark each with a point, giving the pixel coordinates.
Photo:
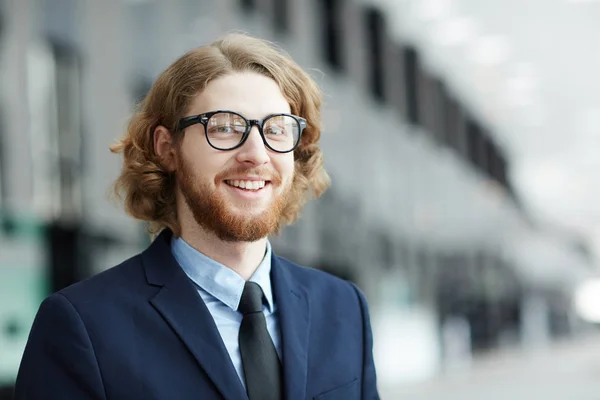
(141, 331)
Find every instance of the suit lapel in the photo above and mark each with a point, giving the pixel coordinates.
(294, 316)
(183, 309)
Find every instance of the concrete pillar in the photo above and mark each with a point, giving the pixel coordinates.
(106, 106)
(535, 327)
(18, 15)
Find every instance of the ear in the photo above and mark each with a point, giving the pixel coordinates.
(164, 147)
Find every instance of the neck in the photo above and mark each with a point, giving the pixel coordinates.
(242, 257)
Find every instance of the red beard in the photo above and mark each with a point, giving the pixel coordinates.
(211, 211)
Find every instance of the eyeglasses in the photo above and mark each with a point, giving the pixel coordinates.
(228, 130)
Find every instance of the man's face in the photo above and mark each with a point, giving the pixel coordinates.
(210, 180)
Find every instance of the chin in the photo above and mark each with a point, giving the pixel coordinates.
(248, 211)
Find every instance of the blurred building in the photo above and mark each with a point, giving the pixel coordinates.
(422, 213)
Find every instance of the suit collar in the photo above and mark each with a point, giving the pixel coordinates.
(183, 309)
(294, 320)
(159, 264)
(220, 281)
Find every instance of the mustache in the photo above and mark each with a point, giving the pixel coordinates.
(263, 172)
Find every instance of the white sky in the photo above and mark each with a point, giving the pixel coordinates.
(532, 70)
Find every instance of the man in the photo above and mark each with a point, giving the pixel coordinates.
(222, 152)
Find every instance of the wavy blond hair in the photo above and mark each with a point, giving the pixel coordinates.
(148, 190)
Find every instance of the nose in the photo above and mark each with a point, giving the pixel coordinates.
(253, 151)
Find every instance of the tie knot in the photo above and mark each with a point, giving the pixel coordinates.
(252, 299)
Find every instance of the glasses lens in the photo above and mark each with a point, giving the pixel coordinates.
(281, 132)
(225, 130)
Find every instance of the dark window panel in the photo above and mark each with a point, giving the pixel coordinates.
(454, 125)
(494, 155)
(489, 153)
(68, 72)
(450, 119)
(486, 150)
(501, 166)
(345, 271)
(375, 31)
(281, 16)
(424, 98)
(6, 391)
(411, 77)
(440, 96)
(386, 250)
(449, 125)
(63, 244)
(248, 5)
(333, 34)
(482, 161)
(396, 79)
(429, 106)
(401, 250)
(473, 142)
(497, 166)
(3, 162)
(139, 88)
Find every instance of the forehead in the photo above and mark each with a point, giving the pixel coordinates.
(251, 94)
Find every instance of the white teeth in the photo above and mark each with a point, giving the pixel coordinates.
(248, 185)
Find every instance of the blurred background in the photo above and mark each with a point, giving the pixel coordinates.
(461, 137)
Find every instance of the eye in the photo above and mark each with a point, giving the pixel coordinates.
(223, 129)
(226, 129)
(275, 130)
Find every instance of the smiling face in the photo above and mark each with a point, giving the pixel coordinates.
(237, 194)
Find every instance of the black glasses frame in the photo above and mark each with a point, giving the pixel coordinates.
(202, 119)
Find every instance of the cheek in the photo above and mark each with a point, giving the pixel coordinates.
(202, 160)
(287, 168)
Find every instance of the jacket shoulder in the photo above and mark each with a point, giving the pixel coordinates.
(107, 283)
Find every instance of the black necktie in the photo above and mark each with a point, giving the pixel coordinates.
(262, 368)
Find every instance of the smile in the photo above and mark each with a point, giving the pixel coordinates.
(247, 185)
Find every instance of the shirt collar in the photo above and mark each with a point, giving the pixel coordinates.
(220, 281)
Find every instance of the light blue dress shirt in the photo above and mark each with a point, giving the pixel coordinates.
(221, 289)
